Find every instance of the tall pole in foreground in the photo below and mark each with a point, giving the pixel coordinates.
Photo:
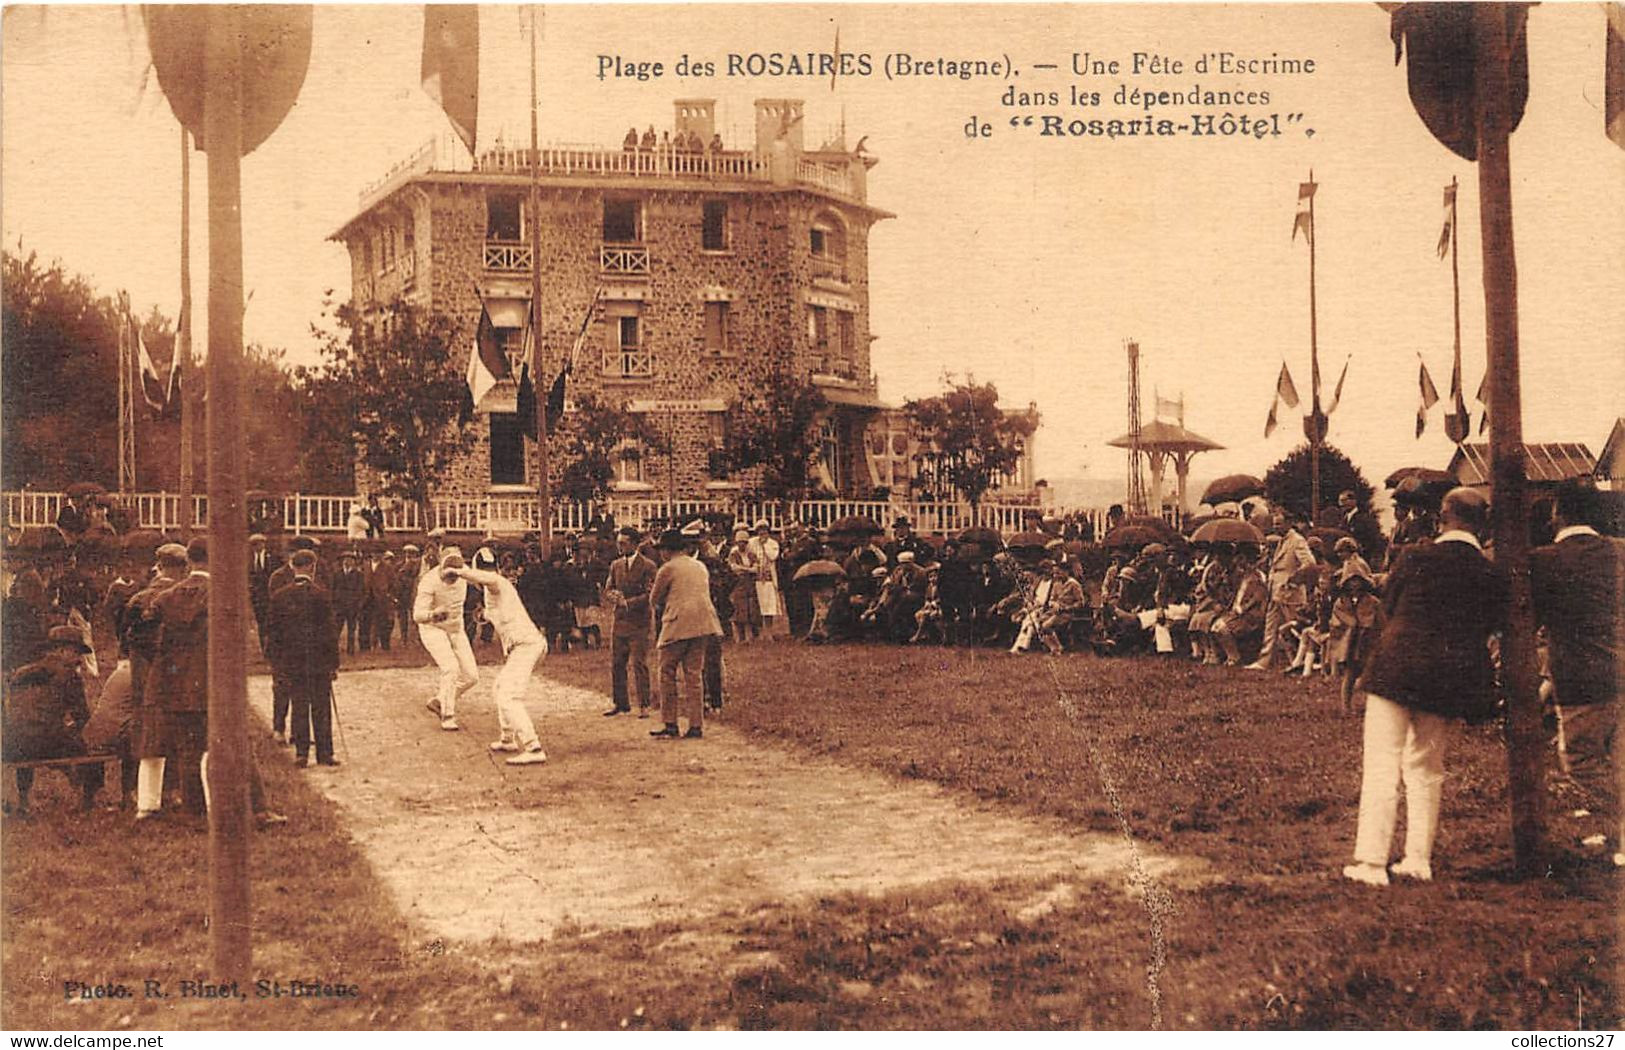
(1511, 513)
(183, 340)
(229, 915)
(538, 376)
(1315, 434)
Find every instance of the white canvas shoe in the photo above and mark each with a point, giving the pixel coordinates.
(533, 757)
(449, 725)
(507, 743)
(1407, 869)
(1370, 874)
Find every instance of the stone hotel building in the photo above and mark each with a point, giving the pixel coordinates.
(716, 266)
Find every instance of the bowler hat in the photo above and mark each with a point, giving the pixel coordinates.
(65, 635)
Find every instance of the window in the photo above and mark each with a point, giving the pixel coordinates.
(716, 328)
(818, 329)
(847, 331)
(503, 219)
(621, 222)
(829, 454)
(512, 341)
(625, 353)
(629, 464)
(507, 449)
(818, 242)
(714, 230)
(386, 244)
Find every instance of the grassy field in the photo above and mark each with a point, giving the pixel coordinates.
(1253, 773)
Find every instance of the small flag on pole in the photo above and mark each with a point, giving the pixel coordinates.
(152, 386)
(1483, 398)
(1430, 397)
(1449, 219)
(527, 403)
(1271, 423)
(1337, 394)
(1303, 221)
(451, 64)
(1284, 388)
(487, 364)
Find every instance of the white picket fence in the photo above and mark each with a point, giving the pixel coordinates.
(513, 515)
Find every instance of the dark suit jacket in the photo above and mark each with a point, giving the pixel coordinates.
(634, 583)
(1442, 602)
(179, 678)
(1578, 599)
(348, 590)
(301, 636)
(378, 581)
(259, 581)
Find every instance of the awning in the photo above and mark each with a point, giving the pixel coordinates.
(836, 395)
(506, 313)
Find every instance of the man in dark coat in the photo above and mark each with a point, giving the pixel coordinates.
(1431, 666)
(1576, 583)
(349, 592)
(261, 564)
(45, 714)
(377, 601)
(631, 575)
(176, 694)
(139, 637)
(303, 649)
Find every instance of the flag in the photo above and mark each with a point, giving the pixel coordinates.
(1306, 195)
(1430, 397)
(172, 392)
(487, 364)
(1613, 75)
(835, 69)
(1271, 423)
(1449, 219)
(1284, 388)
(1483, 398)
(1170, 409)
(1337, 394)
(152, 386)
(451, 64)
(1301, 222)
(1440, 74)
(555, 400)
(527, 402)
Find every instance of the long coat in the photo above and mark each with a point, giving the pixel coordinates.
(682, 601)
(1577, 588)
(179, 677)
(301, 635)
(1441, 604)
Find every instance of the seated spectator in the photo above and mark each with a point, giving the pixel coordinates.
(45, 715)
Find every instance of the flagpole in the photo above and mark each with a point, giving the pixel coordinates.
(543, 494)
(183, 341)
(230, 917)
(123, 381)
(1510, 520)
(1314, 372)
(1458, 405)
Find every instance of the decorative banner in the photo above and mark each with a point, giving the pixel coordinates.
(276, 55)
(451, 64)
(1440, 72)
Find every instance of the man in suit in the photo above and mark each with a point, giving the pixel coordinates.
(631, 575)
(407, 572)
(260, 567)
(1431, 666)
(1576, 583)
(1287, 595)
(45, 714)
(302, 645)
(377, 601)
(349, 593)
(681, 600)
(138, 636)
(176, 692)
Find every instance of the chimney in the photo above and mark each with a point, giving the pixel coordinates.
(776, 119)
(698, 115)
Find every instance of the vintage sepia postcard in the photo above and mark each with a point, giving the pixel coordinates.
(813, 516)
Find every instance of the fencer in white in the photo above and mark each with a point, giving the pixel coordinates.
(438, 611)
(524, 645)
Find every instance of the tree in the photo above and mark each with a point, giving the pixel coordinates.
(967, 442)
(778, 431)
(391, 384)
(594, 436)
(1288, 482)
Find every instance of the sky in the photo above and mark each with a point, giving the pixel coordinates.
(1018, 259)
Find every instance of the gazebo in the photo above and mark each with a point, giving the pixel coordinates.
(1161, 440)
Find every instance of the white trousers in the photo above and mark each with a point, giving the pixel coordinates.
(1401, 745)
(509, 692)
(454, 657)
(149, 785)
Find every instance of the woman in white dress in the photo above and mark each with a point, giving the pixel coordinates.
(764, 550)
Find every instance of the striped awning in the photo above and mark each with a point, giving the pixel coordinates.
(1554, 462)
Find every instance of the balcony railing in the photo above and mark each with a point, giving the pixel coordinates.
(624, 260)
(447, 154)
(408, 266)
(629, 362)
(507, 256)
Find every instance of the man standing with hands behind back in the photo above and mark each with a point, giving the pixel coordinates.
(631, 575)
(681, 598)
(302, 645)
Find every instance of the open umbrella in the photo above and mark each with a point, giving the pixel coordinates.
(1227, 530)
(1131, 537)
(1166, 533)
(84, 488)
(1029, 540)
(1197, 518)
(1425, 474)
(1418, 491)
(982, 535)
(821, 568)
(1232, 487)
(854, 525)
(142, 541)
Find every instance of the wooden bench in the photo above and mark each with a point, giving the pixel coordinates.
(65, 762)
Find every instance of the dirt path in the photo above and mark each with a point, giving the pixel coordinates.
(618, 830)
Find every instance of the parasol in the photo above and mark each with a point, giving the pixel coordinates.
(821, 568)
(1029, 540)
(1165, 531)
(854, 525)
(1227, 530)
(980, 534)
(1232, 487)
(1425, 474)
(1131, 536)
(1417, 491)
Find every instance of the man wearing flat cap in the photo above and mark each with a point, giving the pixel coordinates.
(681, 599)
(45, 714)
(303, 650)
(631, 575)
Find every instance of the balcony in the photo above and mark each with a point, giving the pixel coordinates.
(507, 256)
(629, 362)
(624, 260)
(408, 266)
